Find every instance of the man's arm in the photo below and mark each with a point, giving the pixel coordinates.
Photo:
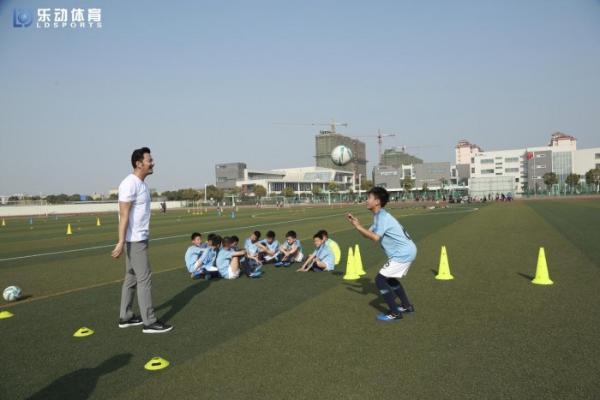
(361, 229)
(124, 210)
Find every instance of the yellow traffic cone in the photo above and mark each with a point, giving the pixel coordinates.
(351, 273)
(3, 222)
(444, 269)
(69, 231)
(541, 272)
(98, 221)
(358, 260)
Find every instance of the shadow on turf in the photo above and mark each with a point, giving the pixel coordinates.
(80, 384)
(181, 299)
(526, 276)
(365, 287)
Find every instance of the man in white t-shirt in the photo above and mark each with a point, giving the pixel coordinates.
(134, 228)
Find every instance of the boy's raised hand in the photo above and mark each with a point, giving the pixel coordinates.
(352, 219)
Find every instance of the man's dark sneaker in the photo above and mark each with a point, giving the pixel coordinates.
(133, 321)
(157, 327)
(407, 310)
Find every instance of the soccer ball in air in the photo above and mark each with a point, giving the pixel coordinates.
(12, 293)
(341, 155)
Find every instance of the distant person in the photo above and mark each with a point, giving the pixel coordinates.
(399, 249)
(134, 229)
(322, 259)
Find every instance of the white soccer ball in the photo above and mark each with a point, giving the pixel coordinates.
(341, 155)
(12, 293)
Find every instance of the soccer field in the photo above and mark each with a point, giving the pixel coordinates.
(489, 333)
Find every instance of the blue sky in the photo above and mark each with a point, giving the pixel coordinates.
(204, 82)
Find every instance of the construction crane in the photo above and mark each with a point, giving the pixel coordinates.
(379, 137)
(332, 125)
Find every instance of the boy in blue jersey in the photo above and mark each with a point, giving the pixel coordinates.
(322, 259)
(335, 248)
(399, 248)
(194, 254)
(202, 259)
(228, 262)
(268, 248)
(290, 251)
(235, 242)
(251, 247)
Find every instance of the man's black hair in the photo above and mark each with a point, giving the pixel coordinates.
(271, 235)
(291, 234)
(138, 155)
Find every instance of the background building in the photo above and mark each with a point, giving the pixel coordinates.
(326, 141)
(228, 174)
(527, 166)
(302, 180)
(396, 157)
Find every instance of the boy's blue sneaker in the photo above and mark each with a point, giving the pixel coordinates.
(255, 274)
(278, 264)
(389, 317)
(285, 264)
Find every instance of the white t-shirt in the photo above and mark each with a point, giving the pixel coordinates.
(135, 191)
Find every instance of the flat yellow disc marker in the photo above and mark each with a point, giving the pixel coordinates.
(83, 332)
(156, 363)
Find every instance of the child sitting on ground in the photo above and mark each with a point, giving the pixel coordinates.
(335, 248)
(290, 251)
(268, 248)
(322, 259)
(228, 262)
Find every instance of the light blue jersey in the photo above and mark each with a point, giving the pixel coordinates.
(273, 246)
(326, 255)
(394, 239)
(223, 260)
(296, 243)
(251, 248)
(193, 254)
(208, 258)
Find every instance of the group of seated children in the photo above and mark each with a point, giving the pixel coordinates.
(221, 257)
(218, 257)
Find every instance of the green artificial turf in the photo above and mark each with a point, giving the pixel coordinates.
(489, 333)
